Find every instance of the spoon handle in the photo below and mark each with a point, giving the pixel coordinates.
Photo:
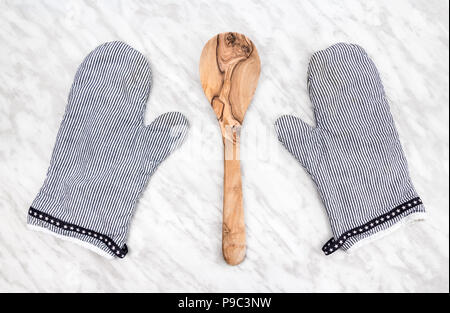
(233, 227)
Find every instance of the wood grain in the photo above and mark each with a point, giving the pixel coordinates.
(229, 72)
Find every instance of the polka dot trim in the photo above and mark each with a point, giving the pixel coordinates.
(110, 244)
(332, 245)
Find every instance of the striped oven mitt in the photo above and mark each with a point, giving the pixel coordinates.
(353, 154)
(104, 154)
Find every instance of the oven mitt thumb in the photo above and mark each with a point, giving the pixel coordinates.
(353, 154)
(104, 154)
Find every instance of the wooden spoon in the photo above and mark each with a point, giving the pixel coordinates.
(229, 72)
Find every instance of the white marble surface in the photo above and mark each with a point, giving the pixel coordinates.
(175, 239)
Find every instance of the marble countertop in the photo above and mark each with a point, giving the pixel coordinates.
(175, 238)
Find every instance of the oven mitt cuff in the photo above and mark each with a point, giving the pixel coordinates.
(353, 154)
(104, 154)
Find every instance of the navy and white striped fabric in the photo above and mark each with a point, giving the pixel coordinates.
(104, 154)
(353, 154)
